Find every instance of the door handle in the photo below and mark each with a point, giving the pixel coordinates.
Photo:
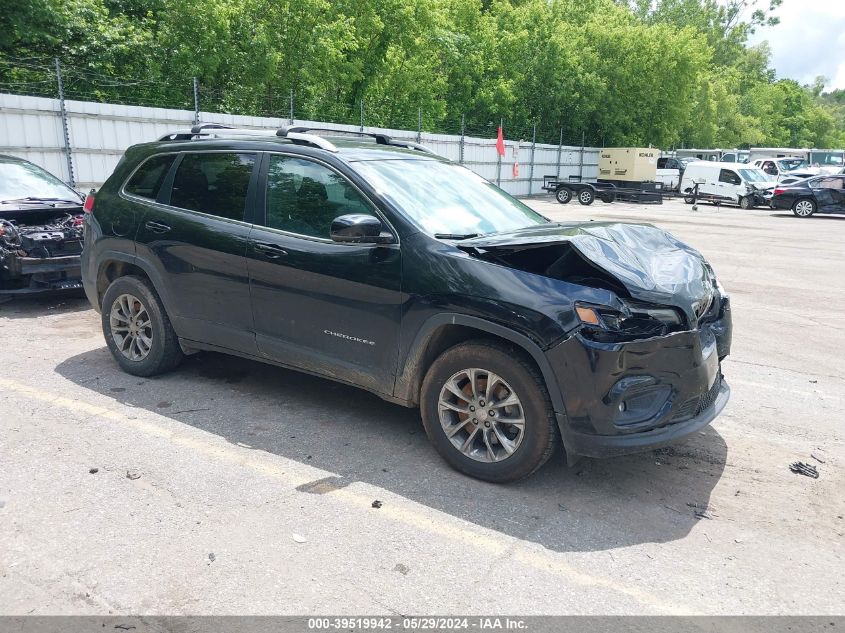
(157, 227)
(270, 251)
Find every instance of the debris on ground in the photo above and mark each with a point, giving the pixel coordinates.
(131, 474)
(702, 511)
(93, 471)
(376, 504)
(211, 557)
(299, 539)
(817, 458)
(808, 470)
(402, 569)
(562, 507)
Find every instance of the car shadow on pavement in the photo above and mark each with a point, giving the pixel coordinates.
(816, 216)
(652, 497)
(28, 306)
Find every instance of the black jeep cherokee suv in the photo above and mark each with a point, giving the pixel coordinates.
(374, 262)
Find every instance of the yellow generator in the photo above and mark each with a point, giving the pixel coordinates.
(628, 164)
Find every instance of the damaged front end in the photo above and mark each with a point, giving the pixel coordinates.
(40, 251)
(642, 367)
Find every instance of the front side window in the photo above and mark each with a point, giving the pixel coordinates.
(726, 175)
(303, 197)
(444, 198)
(213, 183)
(146, 181)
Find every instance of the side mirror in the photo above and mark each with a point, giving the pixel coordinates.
(359, 228)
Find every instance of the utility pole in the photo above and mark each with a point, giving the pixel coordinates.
(419, 124)
(581, 162)
(290, 114)
(463, 134)
(531, 170)
(559, 152)
(63, 112)
(196, 101)
(362, 114)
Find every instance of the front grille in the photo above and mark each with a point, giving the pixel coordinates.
(709, 398)
(694, 406)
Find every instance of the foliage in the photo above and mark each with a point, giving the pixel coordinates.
(618, 72)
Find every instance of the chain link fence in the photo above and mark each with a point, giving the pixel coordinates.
(83, 96)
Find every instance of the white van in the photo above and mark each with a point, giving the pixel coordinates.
(778, 168)
(727, 183)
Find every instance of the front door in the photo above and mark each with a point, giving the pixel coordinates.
(196, 236)
(728, 186)
(326, 307)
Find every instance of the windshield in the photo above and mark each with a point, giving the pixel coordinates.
(25, 180)
(754, 175)
(446, 199)
(791, 164)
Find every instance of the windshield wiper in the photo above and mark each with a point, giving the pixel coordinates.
(455, 236)
(36, 199)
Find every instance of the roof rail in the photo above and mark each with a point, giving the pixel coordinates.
(295, 133)
(213, 129)
(224, 131)
(381, 138)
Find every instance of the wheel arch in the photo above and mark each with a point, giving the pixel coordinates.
(114, 265)
(442, 331)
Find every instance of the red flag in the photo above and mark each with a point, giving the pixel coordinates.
(500, 143)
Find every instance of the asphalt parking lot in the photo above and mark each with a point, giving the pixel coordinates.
(232, 487)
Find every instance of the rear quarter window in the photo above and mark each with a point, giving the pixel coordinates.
(147, 179)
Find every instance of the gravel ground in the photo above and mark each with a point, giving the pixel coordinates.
(233, 487)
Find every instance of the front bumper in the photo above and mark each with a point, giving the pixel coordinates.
(28, 275)
(633, 396)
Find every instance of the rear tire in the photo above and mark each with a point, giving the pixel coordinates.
(137, 329)
(804, 207)
(563, 195)
(473, 441)
(586, 197)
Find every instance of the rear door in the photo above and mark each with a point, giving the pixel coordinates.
(196, 237)
(828, 193)
(326, 307)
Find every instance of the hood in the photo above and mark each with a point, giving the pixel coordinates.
(650, 263)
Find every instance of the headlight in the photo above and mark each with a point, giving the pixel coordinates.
(633, 321)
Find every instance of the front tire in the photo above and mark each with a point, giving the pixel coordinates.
(689, 199)
(563, 195)
(137, 329)
(486, 409)
(746, 203)
(586, 197)
(804, 207)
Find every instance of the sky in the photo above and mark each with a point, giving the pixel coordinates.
(809, 41)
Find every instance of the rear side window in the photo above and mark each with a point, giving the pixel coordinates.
(213, 183)
(146, 181)
(304, 197)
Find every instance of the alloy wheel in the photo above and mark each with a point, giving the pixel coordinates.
(481, 415)
(131, 327)
(804, 208)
